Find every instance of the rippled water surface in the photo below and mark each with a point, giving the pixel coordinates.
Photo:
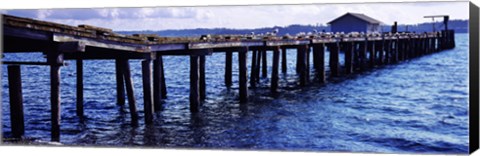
(414, 106)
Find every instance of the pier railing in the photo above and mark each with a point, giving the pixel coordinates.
(60, 42)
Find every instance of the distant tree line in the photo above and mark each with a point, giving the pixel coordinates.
(460, 26)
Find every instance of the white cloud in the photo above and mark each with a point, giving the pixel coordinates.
(244, 16)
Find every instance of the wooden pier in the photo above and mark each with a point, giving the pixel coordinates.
(60, 42)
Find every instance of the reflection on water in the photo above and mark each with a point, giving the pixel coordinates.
(414, 106)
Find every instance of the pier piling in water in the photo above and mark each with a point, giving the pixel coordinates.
(242, 67)
(132, 105)
(253, 82)
(157, 83)
(334, 49)
(319, 51)
(203, 89)
(162, 76)
(349, 51)
(264, 63)
(194, 83)
(284, 60)
(147, 91)
(55, 59)
(302, 65)
(275, 62)
(80, 88)
(119, 79)
(228, 69)
(16, 101)
(372, 54)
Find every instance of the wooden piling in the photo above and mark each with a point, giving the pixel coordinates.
(307, 63)
(401, 49)
(147, 91)
(349, 50)
(119, 79)
(319, 49)
(55, 59)
(314, 58)
(253, 68)
(127, 76)
(162, 76)
(388, 52)
(302, 53)
(395, 50)
(356, 55)
(228, 69)
(334, 60)
(264, 63)
(275, 63)
(157, 84)
(284, 60)
(16, 101)
(381, 52)
(297, 66)
(242, 67)
(257, 70)
(79, 108)
(203, 94)
(372, 53)
(362, 54)
(194, 83)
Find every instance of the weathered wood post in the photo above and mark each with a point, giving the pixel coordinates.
(228, 68)
(401, 52)
(302, 53)
(315, 57)
(157, 84)
(363, 54)
(381, 50)
(79, 106)
(242, 67)
(203, 85)
(162, 76)
(55, 59)
(349, 50)
(319, 49)
(275, 62)
(334, 60)
(130, 91)
(252, 70)
(284, 60)
(264, 63)
(16, 101)
(297, 65)
(372, 53)
(258, 63)
(452, 38)
(147, 90)
(194, 83)
(395, 49)
(118, 76)
(388, 51)
(307, 63)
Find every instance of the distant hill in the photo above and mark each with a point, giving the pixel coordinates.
(460, 26)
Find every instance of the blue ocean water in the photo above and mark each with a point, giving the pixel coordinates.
(420, 105)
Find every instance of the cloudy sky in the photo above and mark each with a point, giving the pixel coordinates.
(161, 18)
